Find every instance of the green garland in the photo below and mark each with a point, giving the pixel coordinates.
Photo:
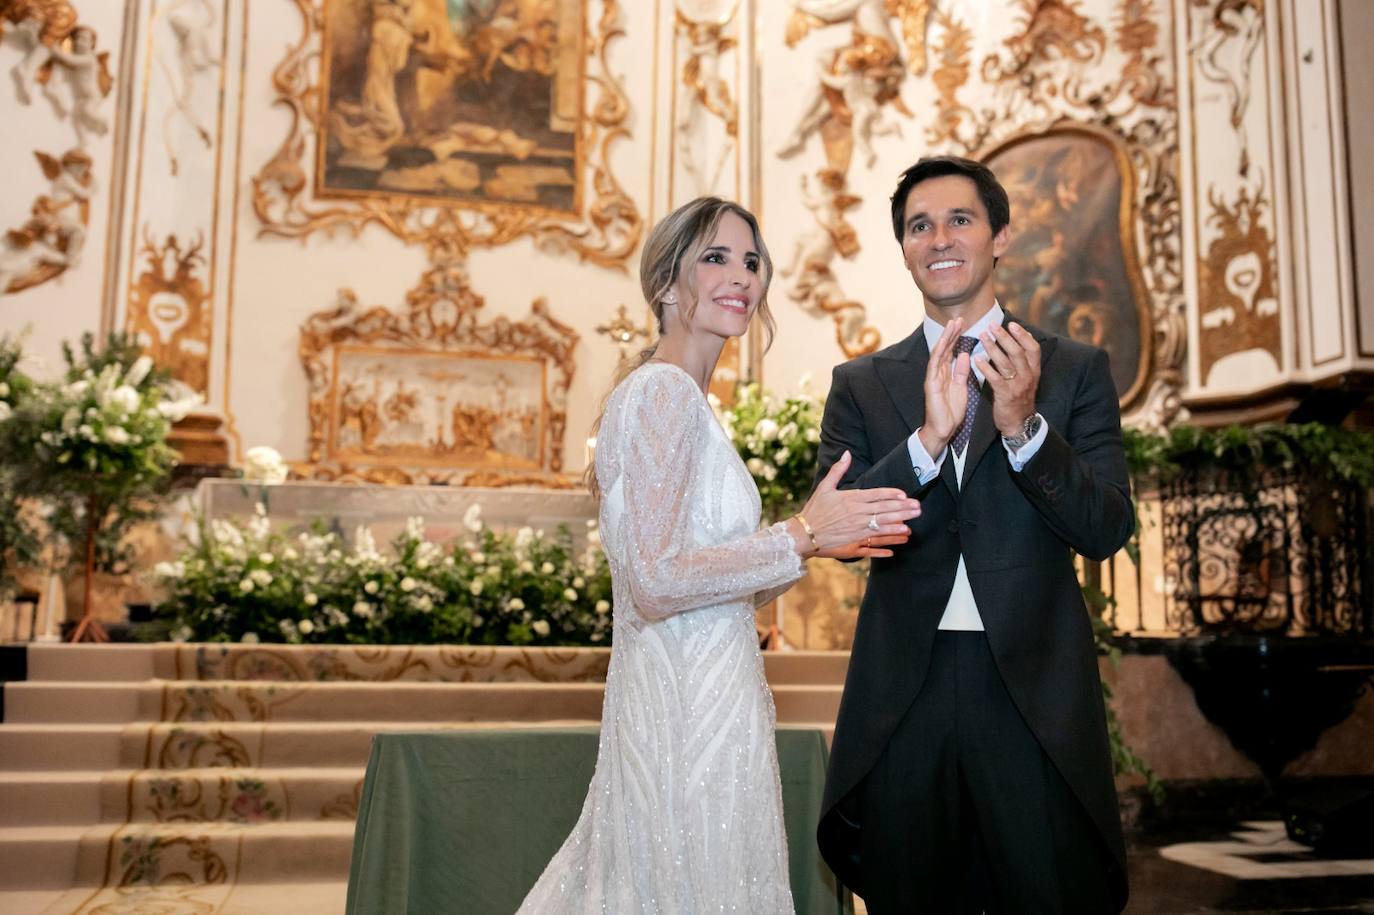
(1335, 452)
(19, 545)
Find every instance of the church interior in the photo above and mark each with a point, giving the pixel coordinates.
(255, 515)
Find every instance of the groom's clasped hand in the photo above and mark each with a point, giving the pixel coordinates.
(858, 523)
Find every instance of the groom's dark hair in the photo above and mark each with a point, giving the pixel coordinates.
(990, 190)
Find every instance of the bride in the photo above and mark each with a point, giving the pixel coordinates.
(684, 812)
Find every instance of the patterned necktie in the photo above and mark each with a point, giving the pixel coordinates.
(966, 345)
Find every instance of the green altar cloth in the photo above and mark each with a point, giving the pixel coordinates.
(465, 821)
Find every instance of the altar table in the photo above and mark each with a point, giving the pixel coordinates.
(464, 821)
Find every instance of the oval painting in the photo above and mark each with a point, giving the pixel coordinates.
(1071, 268)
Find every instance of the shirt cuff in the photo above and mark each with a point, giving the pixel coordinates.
(926, 467)
(1019, 459)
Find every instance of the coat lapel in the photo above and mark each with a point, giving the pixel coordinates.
(902, 371)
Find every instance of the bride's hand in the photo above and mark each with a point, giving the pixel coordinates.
(854, 523)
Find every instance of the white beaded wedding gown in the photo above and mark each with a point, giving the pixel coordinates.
(684, 812)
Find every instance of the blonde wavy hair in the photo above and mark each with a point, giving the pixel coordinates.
(679, 240)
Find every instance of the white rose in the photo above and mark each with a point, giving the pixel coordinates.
(4, 411)
(86, 432)
(755, 466)
(138, 371)
(782, 455)
(603, 606)
(124, 397)
(472, 518)
(362, 609)
(70, 419)
(424, 604)
(569, 594)
(261, 576)
(306, 627)
(117, 435)
(526, 566)
(540, 627)
(479, 557)
(371, 587)
(813, 435)
(288, 554)
(579, 582)
(788, 430)
(767, 429)
(4, 389)
(516, 604)
(262, 464)
(547, 568)
(246, 585)
(770, 473)
(266, 558)
(475, 587)
(249, 638)
(407, 584)
(311, 599)
(176, 410)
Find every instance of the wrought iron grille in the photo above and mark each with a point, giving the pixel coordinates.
(1284, 553)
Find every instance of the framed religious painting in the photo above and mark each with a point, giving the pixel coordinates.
(1072, 267)
(453, 101)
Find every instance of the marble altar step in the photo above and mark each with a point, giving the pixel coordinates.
(226, 777)
(460, 663)
(106, 703)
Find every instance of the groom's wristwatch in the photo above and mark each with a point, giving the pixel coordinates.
(1029, 430)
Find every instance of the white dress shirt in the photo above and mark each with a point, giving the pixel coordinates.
(961, 613)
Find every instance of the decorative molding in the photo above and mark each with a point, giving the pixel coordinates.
(193, 25)
(607, 233)
(1238, 284)
(811, 280)
(1050, 74)
(52, 240)
(846, 105)
(704, 96)
(387, 390)
(170, 309)
(55, 43)
(1229, 33)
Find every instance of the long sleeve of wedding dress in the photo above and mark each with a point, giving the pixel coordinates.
(663, 434)
(684, 812)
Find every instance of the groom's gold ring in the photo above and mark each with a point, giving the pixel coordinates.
(1008, 376)
(873, 523)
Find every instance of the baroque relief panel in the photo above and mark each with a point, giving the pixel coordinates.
(432, 395)
(1233, 170)
(1091, 81)
(57, 72)
(454, 128)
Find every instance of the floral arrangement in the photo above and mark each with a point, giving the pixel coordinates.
(93, 446)
(778, 440)
(246, 581)
(263, 464)
(19, 545)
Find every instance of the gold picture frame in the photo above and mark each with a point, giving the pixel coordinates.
(1072, 267)
(289, 199)
(431, 395)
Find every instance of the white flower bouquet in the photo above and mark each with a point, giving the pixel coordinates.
(778, 440)
(248, 582)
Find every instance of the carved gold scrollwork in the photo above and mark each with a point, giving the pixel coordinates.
(607, 234)
(431, 394)
(811, 279)
(169, 308)
(1238, 281)
(1051, 74)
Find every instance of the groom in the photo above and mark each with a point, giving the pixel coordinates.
(970, 769)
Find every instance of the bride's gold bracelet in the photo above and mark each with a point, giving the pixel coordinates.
(816, 547)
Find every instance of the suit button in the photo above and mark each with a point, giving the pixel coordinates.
(952, 527)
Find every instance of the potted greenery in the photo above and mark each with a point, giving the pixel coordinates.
(93, 446)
